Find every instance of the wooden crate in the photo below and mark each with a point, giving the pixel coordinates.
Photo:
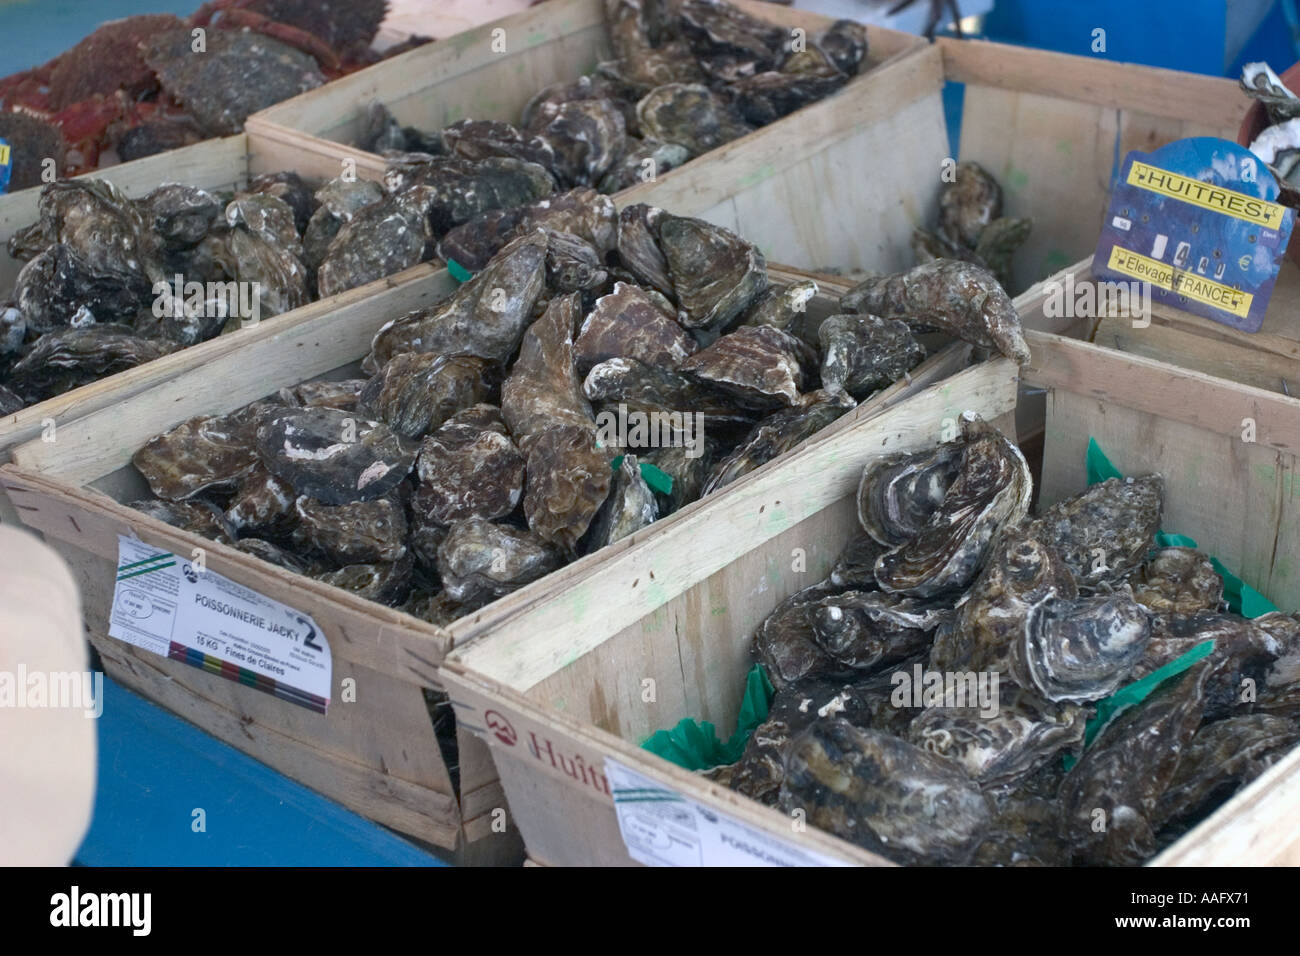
(378, 756)
(558, 689)
(788, 183)
(216, 164)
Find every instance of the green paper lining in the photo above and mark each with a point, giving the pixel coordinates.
(694, 744)
(657, 479)
(458, 271)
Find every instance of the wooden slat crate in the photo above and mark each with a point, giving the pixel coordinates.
(378, 756)
(681, 610)
(219, 165)
(789, 182)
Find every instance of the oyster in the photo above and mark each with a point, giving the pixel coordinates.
(1223, 757)
(332, 455)
(468, 471)
(379, 240)
(998, 243)
(199, 516)
(342, 394)
(586, 137)
(991, 490)
(291, 189)
(1108, 810)
(778, 433)
(652, 388)
(462, 189)
(781, 307)
(629, 507)
(638, 247)
(758, 364)
(274, 554)
(1178, 581)
(543, 390)
(98, 222)
(573, 264)
(415, 392)
(687, 464)
(899, 493)
(728, 42)
(864, 353)
(1260, 82)
(969, 204)
(568, 480)
(53, 287)
(884, 794)
(582, 212)
(384, 583)
(855, 568)
(628, 323)
(198, 455)
(480, 558)
(359, 532)
(691, 116)
(481, 139)
(804, 78)
(1024, 832)
(1000, 748)
(845, 42)
(262, 504)
(180, 215)
(642, 161)
(1083, 650)
(784, 643)
(868, 631)
(237, 74)
(337, 202)
(1104, 533)
(485, 317)
(956, 297)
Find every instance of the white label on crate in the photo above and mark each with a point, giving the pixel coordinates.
(165, 604)
(661, 827)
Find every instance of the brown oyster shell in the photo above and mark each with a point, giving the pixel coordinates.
(467, 471)
(333, 456)
(898, 493)
(53, 288)
(479, 558)
(543, 389)
(573, 264)
(378, 241)
(715, 274)
(334, 394)
(68, 358)
(97, 221)
(582, 212)
(629, 507)
(586, 137)
(650, 388)
(485, 317)
(1085, 649)
(884, 794)
(198, 516)
(728, 42)
(386, 583)
(201, 454)
(782, 307)
(855, 568)
(956, 297)
(638, 246)
(569, 478)
(690, 115)
(180, 215)
(968, 204)
(459, 189)
(845, 42)
(262, 504)
(869, 631)
(805, 78)
(359, 532)
(415, 392)
(337, 202)
(758, 364)
(1105, 532)
(784, 643)
(642, 161)
(864, 353)
(628, 323)
(1178, 581)
(481, 139)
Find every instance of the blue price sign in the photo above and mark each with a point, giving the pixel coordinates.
(6, 165)
(1199, 221)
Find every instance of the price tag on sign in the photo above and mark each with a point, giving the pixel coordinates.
(660, 827)
(167, 604)
(6, 165)
(1198, 220)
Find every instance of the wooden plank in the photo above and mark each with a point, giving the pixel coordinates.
(1171, 94)
(534, 644)
(1216, 405)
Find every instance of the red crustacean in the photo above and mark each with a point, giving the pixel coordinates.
(238, 15)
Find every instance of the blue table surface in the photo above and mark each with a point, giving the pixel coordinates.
(155, 770)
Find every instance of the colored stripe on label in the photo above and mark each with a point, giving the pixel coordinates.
(1229, 202)
(1166, 277)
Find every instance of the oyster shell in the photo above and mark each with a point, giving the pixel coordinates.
(53, 287)
(884, 794)
(899, 493)
(728, 42)
(1104, 533)
(629, 507)
(379, 240)
(199, 516)
(782, 307)
(383, 583)
(642, 161)
(98, 222)
(784, 643)
(568, 479)
(628, 323)
(804, 78)
(968, 204)
(855, 568)
(1083, 650)
(582, 212)
(586, 137)
(415, 392)
(999, 242)
(991, 490)
(1000, 749)
(1260, 82)
(1178, 581)
(341, 394)
(479, 558)
(543, 390)
(180, 215)
(959, 298)
(715, 274)
(462, 189)
(333, 456)
(573, 264)
(485, 317)
(338, 201)
(291, 189)
(638, 247)
(359, 532)
(687, 464)
(643, 387)
(262, 504)
(198, 455)
(274, 554)
(481, 139)
(845, 42)
(758, 364)
(1107, 810)
(864, 353)
(468, 471)
(869, 631)
(778, 433)
(1024, 832)
(691, 116)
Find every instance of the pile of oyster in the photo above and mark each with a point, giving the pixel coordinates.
(971, 226)
(509, 428)
(686, 79)
(89, 300)
(1279, 144)
(887, 729)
